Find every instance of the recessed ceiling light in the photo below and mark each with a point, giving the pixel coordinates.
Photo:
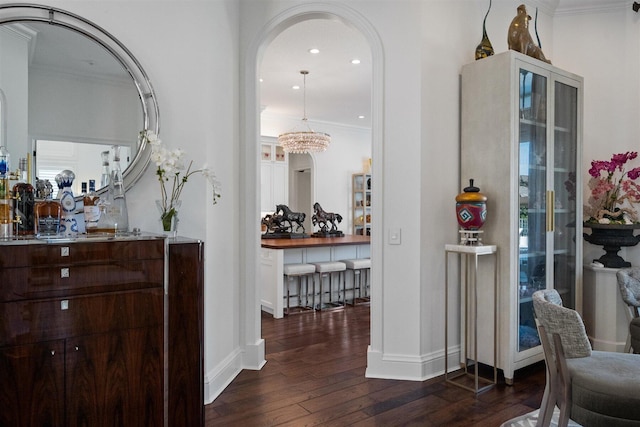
(361, 116)
(261, 80)
(295, 87)
(314, 50)
(355, 61)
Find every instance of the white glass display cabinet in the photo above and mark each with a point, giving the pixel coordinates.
(521, 139)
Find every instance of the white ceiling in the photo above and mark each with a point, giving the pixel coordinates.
(337, 91)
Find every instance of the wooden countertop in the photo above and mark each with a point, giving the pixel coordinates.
(311, 242)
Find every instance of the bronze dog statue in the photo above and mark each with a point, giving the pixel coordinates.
(519, 38)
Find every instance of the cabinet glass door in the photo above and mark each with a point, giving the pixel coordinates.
(532, 196)
(565, 164)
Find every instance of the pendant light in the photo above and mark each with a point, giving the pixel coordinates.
(304, 141)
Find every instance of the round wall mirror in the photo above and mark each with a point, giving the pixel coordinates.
(72, 91)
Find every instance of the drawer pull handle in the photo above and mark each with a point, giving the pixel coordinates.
(77, 348)
(53, 352)
(64, 251)
(64, 272)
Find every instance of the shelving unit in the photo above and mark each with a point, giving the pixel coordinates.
(525, 153)
(274, 175)
(361, 203)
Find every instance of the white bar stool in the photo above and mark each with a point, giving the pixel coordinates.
(327, 270)
(359, 267)
(296, 272)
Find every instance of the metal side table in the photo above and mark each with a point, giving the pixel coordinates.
(469, 316)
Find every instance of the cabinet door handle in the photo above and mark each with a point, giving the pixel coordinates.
(77, 348)
(550, 210)
(53, 352)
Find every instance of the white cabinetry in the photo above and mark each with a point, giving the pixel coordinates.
(521, 142)
(274, 175)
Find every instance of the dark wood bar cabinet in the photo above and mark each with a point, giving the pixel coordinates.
(88, 336)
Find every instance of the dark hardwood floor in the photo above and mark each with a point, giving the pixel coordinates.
(315, 376)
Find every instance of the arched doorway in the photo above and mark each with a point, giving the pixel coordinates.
(250, 293)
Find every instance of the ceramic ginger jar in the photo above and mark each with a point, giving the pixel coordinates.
(471, 208)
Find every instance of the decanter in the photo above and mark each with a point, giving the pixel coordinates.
(114, 217)
(68, 222)
(48, 214)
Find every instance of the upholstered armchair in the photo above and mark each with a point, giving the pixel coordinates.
(629, 285)
(593, 388)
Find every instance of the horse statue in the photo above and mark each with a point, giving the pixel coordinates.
(291, 217)
(274, 223)
(325, 219)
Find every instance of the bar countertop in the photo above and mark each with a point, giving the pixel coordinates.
(311, 242)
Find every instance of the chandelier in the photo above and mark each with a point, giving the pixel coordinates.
(305, 141)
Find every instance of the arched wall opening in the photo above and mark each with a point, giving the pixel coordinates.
(250, 324)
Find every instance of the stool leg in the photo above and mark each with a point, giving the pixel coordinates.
(331, 276)
(299, 289)
(314, 292)
(367, 283)
(286, 283)
(321, 290)
(357, 279)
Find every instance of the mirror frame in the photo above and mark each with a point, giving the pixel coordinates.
(3, 118)
(25, 12)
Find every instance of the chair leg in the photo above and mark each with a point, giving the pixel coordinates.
(548, 404)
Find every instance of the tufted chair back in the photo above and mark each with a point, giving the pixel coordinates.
(563, 321)
(629, 285)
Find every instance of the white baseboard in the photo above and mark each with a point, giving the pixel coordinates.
(409, 367)
(216, 380)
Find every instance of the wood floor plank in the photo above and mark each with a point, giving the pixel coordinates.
(314, 376)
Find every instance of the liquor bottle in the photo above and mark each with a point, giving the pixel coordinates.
(117, 194)
(91, 208)
(68, 222)
(6, 215)
(104, 178)
(58, 180)
(5, 164)
(48, 214)
(23, 203)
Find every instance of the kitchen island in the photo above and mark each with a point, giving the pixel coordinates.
(275, 253)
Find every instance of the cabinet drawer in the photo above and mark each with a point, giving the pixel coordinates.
(47, 254)
(24, 322)
(68, 280)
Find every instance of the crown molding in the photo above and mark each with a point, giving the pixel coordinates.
(578, 7)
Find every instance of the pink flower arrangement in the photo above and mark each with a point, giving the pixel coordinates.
(611, 186)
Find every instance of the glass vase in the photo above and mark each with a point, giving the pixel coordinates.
(169, 216)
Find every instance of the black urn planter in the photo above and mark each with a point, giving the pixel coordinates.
(612, 237)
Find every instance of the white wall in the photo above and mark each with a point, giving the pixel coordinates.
(189, 49)
(69, 107)
(604, 47)
(14, 84)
